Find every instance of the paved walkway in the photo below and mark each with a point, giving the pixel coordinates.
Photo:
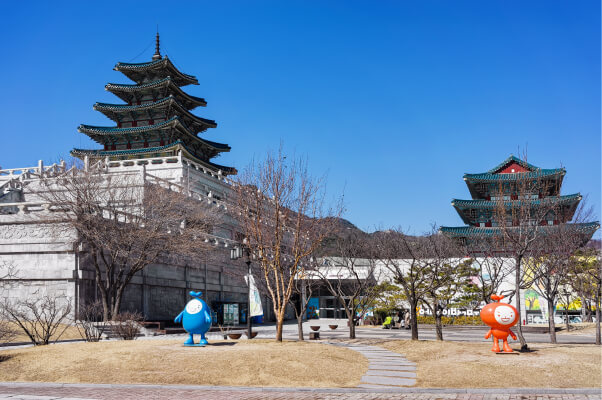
(386, 369)
(43, 391)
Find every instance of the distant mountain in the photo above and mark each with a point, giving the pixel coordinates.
(342, 229)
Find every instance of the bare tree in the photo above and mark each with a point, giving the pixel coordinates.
(126, 325)
(90, 323)
(552, 270)
(304, 287)
(492, 269)
(522, 208)
(447, 276)
(353, 280)
(281, 210)
(42, 319)
(585, 278)
(124, 223)
(8, 273)
(402, 256)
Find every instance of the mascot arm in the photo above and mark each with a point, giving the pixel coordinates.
(178, 319)
(208, 318)
(488, 335)
(512, 334)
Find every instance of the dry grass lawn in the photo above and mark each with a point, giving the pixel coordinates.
(70, 332)
(461, 365)
(231, 363)
(583, 328)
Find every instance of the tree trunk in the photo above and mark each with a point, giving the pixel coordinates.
(351, 322)
(279, 323)
(438, 325)
(117, 302)
(519, 326)
(588, 311)
(300, 325)
(598, 315)
(551, 322)
(414, 319)
(106, 311)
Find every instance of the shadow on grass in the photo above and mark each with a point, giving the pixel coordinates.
(5, 358)
(222, 344)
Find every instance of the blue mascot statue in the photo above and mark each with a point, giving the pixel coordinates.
(196, 319)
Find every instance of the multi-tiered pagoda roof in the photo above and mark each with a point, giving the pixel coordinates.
(513, 184)
(156, 118)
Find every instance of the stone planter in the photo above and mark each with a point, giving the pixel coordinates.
(333, 327)
(315, 328)
(253, 334)
(234, 336)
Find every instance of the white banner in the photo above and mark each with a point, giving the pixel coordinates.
(255, 299)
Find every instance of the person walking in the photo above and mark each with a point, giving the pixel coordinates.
(407, 320)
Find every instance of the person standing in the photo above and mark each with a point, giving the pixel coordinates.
(407, 320)
(398, 320)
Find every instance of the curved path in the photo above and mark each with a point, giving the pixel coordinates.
(386, 369)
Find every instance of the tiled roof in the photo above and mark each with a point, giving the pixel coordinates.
(517, 160)
(464, 231)
(487, 176)
(463, 204)
(160, 64)
(172, 122)
(122, 87)
(170, 99)
(175, 145)
(126, 151)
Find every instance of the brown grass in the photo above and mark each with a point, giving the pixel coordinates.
(231, 363)
(583, 328)
(473, 365)
(70, 332)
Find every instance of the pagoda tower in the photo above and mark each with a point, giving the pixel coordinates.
(156, 120)
(505, 181)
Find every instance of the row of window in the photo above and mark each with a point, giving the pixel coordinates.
(140, 122)
(531, 223)
(137, 145)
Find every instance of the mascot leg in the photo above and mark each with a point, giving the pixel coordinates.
(190, 339)
(496, 345)
(507, 348)
(203, 341)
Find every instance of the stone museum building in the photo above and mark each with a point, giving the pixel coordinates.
(156, 138)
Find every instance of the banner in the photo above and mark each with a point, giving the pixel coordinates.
(255, 299)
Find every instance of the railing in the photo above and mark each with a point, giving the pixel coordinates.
(13, 184)
(217, 175)
(176, 187)
(34, 172)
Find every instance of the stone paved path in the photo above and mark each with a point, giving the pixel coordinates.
(386, 369)
(41, 391)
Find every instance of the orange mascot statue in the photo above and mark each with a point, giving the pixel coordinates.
(500, 317)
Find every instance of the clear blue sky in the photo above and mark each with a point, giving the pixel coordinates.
(394, 100)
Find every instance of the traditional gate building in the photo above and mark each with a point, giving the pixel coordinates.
(511, 183)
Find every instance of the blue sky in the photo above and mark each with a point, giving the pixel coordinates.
(395, 101)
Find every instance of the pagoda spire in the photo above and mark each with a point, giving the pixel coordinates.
(157, 55)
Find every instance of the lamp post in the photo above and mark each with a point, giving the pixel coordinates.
(235, 254)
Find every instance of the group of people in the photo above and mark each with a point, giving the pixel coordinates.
(401, 320)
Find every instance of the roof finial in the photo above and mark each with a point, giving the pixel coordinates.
(157, 55)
